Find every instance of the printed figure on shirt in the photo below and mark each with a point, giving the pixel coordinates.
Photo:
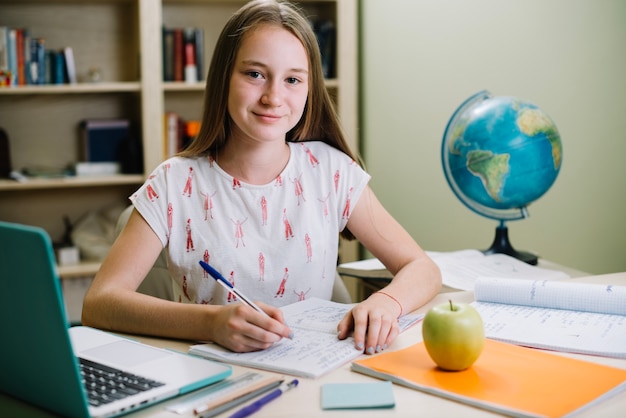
(346, 209)
(263, 210)
(208, 205)
(189, 243)
(188, 187)
(312, 159)
(301, 294)
(239, 231)
(261, 267)
(231, 296)
(307, 245)
(298, 189)
(324, 201)
(281, 288)
(288, 230)
(207, 259)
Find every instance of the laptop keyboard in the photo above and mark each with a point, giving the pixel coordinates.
(106, 384)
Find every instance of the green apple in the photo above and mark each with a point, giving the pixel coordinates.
(454, 335)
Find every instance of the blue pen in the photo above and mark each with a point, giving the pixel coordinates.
(255, 406)
(228, 286)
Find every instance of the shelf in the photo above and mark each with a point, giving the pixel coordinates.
(72, 182)
(79, 88)
(182, 86)
(87, 268)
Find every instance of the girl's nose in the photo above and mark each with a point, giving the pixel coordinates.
(272, 95)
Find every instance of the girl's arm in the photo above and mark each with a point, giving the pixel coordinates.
(113, 303)
(417, 278)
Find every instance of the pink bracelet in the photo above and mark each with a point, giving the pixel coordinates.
(394, 299)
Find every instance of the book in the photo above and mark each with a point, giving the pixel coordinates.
(101, 139)
(168, 54)
(574, 317)
(36, 63)
(57, 67)
(189, 44)
(172, 140)
(314, 350)
(199, 43)
(70, 66)
(20, 35)
(459, 269)
(325, 34)
(508, 379)
(12, 55)
(179, 54)
(4, 56)
(375, 395)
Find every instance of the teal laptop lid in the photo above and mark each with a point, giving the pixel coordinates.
(38, 353)
(35, 341)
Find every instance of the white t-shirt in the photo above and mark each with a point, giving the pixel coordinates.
(276, 242)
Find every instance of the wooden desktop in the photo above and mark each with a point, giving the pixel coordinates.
(304, 401)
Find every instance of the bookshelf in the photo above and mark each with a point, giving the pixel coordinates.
(122, 38)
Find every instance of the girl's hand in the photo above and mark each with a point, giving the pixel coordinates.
(374, 323)
(240, 328)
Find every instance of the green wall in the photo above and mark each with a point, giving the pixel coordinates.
(420, 59)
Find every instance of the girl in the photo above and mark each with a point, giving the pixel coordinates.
(261, 194)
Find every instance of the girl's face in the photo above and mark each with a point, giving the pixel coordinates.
(269, 85)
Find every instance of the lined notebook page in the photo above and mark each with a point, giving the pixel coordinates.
(554, 315)
(314, 349)
(584, 297)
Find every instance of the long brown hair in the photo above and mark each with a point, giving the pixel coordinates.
(319, 120)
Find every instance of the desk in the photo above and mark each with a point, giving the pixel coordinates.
(304, 401)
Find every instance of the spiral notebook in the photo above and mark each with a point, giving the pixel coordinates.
(582, 318)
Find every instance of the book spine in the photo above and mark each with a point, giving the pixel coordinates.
(168, 54)
(48, 65)
(36, 65)
(58, 67)
(325, 33)
(171, 134)
(100, 140)
(199, 41)
(70, 66)
(178, 55)
(191, 71)
(19, 50)
(12, 51)
(4, 56)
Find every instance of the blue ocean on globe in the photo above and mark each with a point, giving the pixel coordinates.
(500, 154)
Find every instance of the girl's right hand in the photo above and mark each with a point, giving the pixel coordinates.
(240, 328)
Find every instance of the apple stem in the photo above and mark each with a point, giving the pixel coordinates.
(451, 305)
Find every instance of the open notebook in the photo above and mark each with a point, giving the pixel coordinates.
(39, 355)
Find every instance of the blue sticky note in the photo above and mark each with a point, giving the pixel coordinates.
(375, 395)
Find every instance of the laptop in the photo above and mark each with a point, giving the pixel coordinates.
(39, 352)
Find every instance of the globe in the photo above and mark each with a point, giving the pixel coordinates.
(500, 154)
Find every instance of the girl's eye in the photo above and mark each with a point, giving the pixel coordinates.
(254, 74)
(292, 80)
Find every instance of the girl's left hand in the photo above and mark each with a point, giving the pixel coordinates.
(374, 323)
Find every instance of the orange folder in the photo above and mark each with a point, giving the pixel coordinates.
(506, 378)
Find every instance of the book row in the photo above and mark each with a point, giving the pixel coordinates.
(178, 133)
(25, 60)
(183, 54)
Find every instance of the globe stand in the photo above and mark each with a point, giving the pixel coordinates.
(502, 245)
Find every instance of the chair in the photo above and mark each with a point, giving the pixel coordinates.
(158, 282)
